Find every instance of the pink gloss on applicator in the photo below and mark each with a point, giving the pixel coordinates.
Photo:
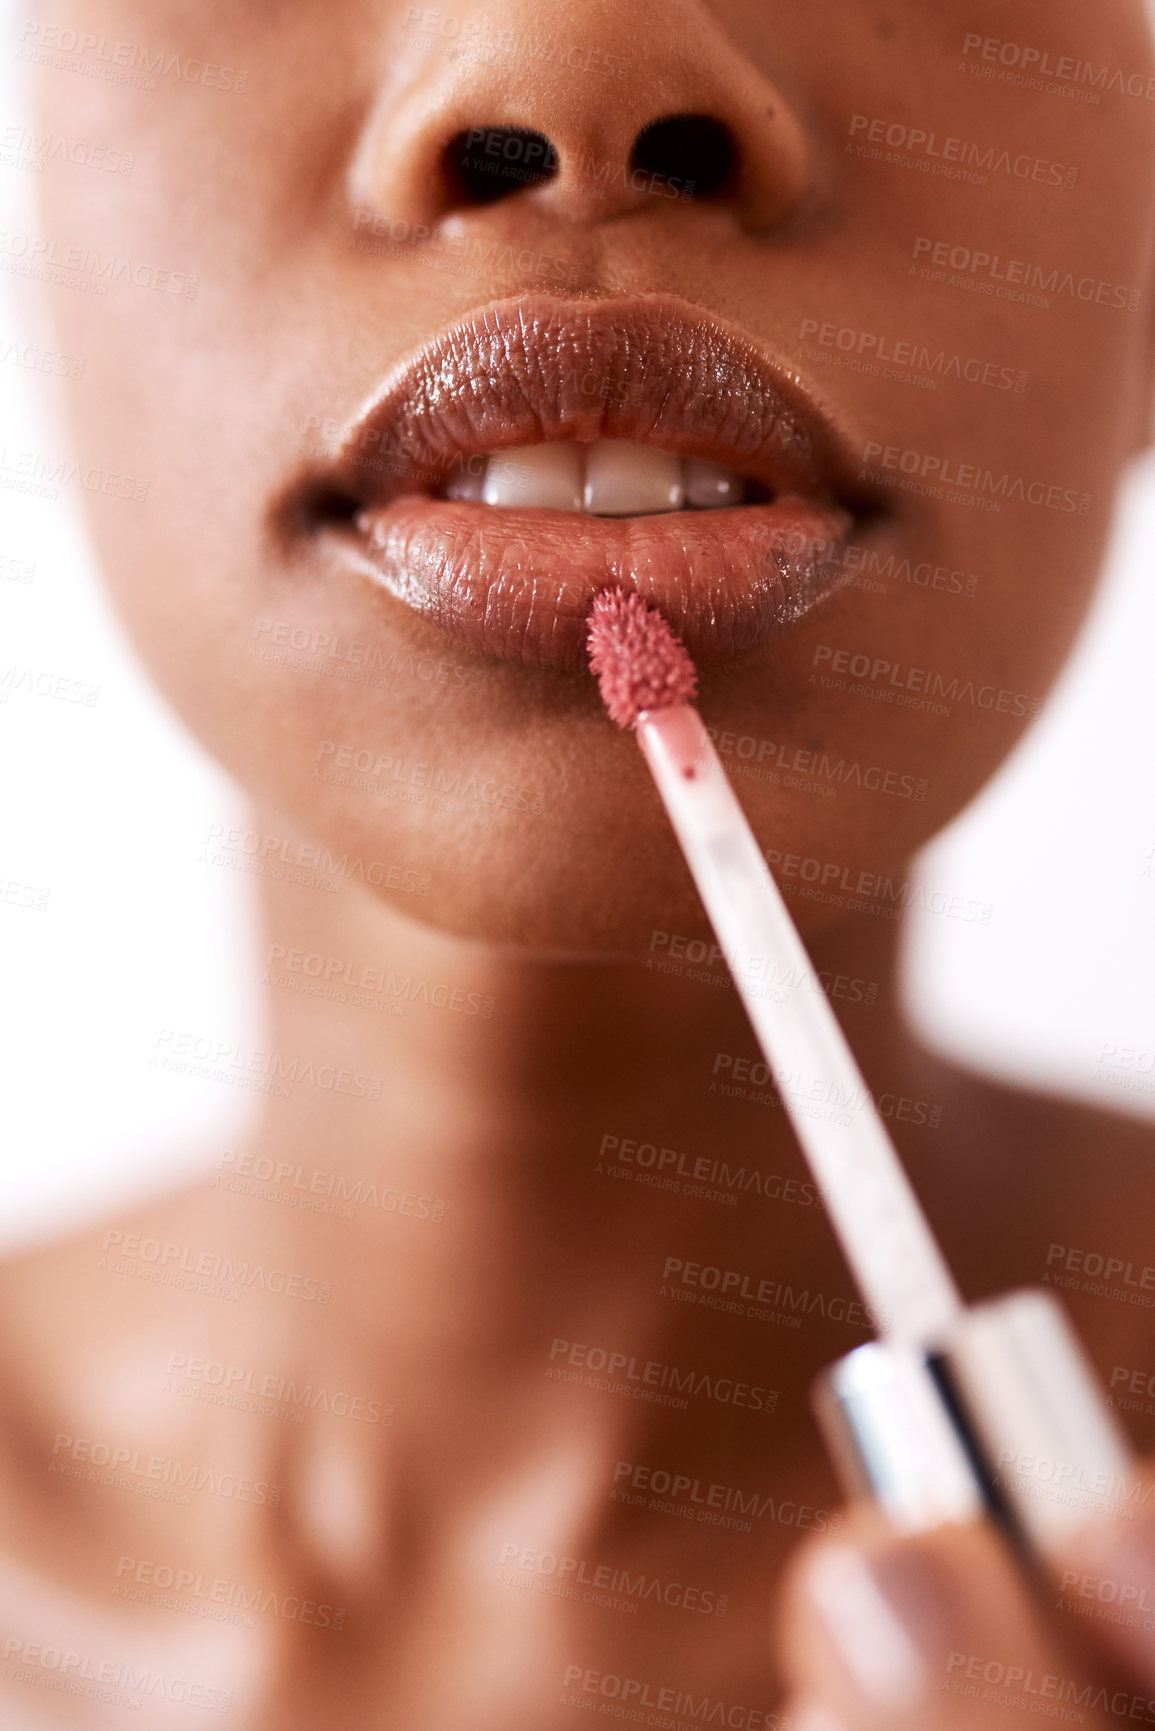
(947, 1413)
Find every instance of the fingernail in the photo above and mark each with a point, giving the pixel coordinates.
(866, 1629)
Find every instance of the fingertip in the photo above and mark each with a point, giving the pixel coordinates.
(866, 1625)
(879, 1623)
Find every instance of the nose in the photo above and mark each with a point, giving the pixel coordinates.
(586, 115)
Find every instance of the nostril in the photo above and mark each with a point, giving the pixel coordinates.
(695, 152)
(491, 162)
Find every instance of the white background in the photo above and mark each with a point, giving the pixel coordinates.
(109, 808)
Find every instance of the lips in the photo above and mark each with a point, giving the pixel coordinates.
(518, 583)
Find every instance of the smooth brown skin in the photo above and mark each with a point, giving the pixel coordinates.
(209, 399)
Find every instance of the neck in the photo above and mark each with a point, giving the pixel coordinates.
(505, 1167)
(500, 1081)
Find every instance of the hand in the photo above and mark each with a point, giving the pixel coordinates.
(940, 1630)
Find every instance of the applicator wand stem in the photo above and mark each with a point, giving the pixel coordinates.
(954, 1411)
(875, 1213)
(646, 680)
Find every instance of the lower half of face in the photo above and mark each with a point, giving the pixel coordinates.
(364, 431)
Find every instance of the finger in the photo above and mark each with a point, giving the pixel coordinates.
(1106, 1579)
(933, 1630)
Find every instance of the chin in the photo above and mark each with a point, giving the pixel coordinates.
(611, 885)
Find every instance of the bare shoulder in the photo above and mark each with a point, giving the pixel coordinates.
(88, 1326)
(73, 1297)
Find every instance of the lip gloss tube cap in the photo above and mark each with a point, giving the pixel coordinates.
(1005, 1415)
(1052, 1445)
(892, 1438)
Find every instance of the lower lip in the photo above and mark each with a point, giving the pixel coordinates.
(518, 585)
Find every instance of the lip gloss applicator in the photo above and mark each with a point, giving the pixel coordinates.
(956, 1408)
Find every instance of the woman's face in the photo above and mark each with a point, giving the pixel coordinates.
(907, 297)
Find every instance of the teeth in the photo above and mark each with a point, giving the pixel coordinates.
(540, 475)
(610, 478)
(709, 485)
(628, 480)
(467, 486)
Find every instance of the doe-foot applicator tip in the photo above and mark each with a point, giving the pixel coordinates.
(639, 663)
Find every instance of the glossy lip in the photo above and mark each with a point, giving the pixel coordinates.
(518, 583)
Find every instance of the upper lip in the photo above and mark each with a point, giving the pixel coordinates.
(518, 583)
(649, 368)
